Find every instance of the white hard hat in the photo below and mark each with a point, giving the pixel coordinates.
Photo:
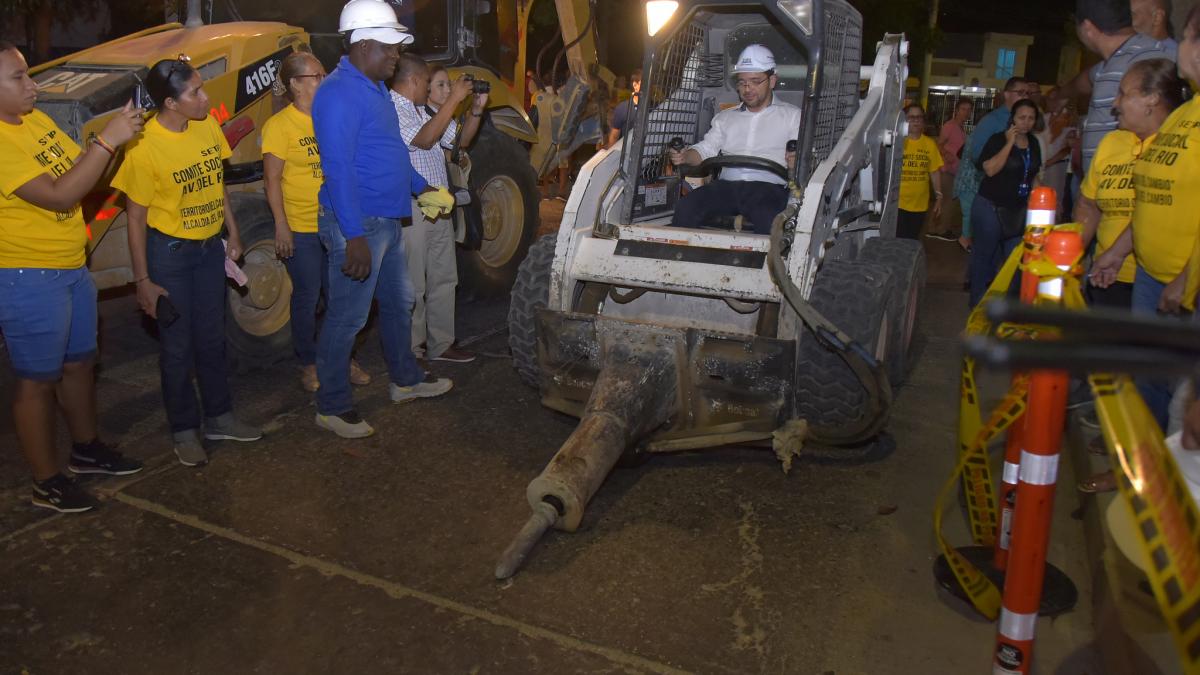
(372, 20)
(755, 59)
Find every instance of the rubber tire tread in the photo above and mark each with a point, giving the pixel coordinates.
(245, 352)
(494, 153)
(530, 293)
(851, 294)
(905, 259)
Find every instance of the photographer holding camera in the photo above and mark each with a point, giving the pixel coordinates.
(429, 243)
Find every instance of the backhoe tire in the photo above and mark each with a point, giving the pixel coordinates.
(530, 293)
(507, 188)
(258, 330)
(854, 296)
(905, 259)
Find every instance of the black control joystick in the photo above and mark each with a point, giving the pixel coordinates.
(676, 144)
(791, 146)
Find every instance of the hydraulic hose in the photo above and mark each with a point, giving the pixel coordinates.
(867, 369)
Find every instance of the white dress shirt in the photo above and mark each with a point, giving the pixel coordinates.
(765, 134)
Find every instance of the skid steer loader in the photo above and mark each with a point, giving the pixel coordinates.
(661, 338)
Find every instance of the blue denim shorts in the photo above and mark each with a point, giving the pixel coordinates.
(48, 318)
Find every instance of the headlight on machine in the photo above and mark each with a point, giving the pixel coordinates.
(658, 13)
(801, 11)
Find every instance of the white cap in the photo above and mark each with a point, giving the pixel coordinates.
(372, 20)
(388, 36)
(755, 59)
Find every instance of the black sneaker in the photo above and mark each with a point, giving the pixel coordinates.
(62, 494)
(97, 457)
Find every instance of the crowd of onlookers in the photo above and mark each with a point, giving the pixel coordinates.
(1127, 168)
(357, 180)
(354, 165)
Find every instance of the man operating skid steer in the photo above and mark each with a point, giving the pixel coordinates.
(760, 127)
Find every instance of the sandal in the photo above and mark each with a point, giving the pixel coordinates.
(1101, 482)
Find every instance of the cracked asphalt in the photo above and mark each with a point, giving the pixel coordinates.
(309, 554)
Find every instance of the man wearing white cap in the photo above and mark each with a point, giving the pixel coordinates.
(760, 127)
(364, 201)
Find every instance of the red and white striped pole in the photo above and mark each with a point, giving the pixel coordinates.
(1039, 220)
(1045, 418)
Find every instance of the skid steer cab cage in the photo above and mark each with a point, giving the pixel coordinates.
(688, 80)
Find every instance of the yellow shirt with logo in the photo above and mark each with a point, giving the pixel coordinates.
(289, 136)
(178, 176)
(921, 158)
(31, 236)
(1109, 183)
(1166, 214)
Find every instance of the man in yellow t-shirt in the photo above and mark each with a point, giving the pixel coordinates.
(1106, 207)
(918, 173)
(47, 298)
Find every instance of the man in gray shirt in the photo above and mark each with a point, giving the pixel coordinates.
(1106, 28)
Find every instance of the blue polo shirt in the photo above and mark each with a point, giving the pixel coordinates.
(363, 156)
(993, 123)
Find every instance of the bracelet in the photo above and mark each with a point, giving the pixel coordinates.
(99, 140)
(475, 114)
(138, 281)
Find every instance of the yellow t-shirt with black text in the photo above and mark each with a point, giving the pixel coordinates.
(921, 158)
(178, 176)
(31, 236)
(1109, 183)
(1166, 213)
(289, 136)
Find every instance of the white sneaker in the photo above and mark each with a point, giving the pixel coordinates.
(432, 386)
(346, 425)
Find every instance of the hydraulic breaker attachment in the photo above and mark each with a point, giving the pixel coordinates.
(633, 395)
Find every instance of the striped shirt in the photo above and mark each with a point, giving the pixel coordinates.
(1106, 77)
(431, 163)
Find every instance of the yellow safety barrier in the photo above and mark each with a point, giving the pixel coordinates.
(1168, 522)
(1148, 478)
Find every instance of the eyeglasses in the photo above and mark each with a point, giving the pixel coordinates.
(317, 76)
(746, 84)
(915, 118)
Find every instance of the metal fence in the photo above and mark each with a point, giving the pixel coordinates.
(841, 53)
(673, 95)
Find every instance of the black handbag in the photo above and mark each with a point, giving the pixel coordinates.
(1012, 221)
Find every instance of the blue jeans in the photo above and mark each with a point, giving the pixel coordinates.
(988, 249)
(348, 304)
(193, 274)
(48, 317)
(1155, 391)
(310, 275)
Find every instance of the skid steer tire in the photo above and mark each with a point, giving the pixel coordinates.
(505, 183)
(854, 296)
(258, 331)
(905, 259)
(530, 293)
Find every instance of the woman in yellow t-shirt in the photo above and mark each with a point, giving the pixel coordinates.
(918, 172)
(1148, 93)
(47, 298)
(173, 180)
(292, 168)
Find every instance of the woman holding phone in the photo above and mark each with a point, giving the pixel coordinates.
(1011, 161)
(173, 179)
(47, 298)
